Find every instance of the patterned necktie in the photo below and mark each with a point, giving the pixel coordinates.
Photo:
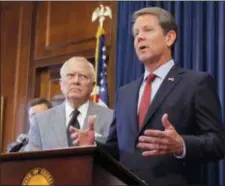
(145, 99)
(73, 122)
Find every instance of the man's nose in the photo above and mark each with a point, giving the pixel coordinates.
(75, 78)
(140, 36)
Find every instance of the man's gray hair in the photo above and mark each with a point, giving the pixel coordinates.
(74, 60)
(166, 20)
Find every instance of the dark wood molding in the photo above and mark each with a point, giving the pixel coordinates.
(69, 32)
(15, 54)
(112, 56)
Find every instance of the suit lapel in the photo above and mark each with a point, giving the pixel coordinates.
(59, 125)
(166, 87)
(132, 104)
(92, 110)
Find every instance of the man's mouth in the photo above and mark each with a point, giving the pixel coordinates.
(142, 48)
(75, 89)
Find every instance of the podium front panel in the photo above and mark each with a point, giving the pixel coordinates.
(71, 170)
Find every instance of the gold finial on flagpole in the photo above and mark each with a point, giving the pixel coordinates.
(101, 12)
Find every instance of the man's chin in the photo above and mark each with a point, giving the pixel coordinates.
(143, 59)
(146, 59)
(75, 97)
(143, 56)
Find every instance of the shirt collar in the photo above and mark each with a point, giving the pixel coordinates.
(162, 71)
(82, 109)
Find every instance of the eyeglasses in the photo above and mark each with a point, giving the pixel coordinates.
(81, 77)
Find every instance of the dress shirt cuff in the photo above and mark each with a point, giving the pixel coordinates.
(181, 156)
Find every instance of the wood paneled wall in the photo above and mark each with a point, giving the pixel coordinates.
(16, 19)
(36, 38)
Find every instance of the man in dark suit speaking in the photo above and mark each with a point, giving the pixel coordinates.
(168, 122)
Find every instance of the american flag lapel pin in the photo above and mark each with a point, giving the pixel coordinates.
(171, 79)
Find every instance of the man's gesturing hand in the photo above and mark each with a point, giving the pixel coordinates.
(84, 137)
(156, 142)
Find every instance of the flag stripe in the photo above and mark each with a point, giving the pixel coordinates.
(101, 68)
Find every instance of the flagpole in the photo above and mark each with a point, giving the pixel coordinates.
(99, 13)
(96, 64)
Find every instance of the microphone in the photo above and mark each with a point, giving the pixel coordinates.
(21, 141)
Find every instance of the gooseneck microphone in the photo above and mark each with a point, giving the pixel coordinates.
(21, 141)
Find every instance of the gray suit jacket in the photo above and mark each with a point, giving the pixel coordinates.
(48, 128)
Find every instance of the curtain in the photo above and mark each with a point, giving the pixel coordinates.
(200, 46)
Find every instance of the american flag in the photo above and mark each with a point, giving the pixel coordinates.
(100, 94)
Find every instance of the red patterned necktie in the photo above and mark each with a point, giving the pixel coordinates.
(145, 99)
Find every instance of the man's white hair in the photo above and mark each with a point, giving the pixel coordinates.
(73, 60)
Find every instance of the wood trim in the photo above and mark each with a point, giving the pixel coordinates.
(2, 111)
(22, 68)
(61, 58)
(32, 70)
(17, 68)
(1, 98)
(46, 46)
(112, 56)
(15, 51)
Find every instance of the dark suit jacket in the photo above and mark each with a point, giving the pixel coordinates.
(193, 107)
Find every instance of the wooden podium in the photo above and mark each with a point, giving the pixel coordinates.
(69, 166)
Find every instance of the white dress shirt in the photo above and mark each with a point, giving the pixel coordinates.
(82, 115)
(160, 73)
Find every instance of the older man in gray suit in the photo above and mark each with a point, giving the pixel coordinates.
(51, 129)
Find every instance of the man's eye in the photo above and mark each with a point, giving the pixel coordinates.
(147, 29)
(83, 76)
(135, 33)
(69, 75)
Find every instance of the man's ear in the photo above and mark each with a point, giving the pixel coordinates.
(61, 84)
(171, 38)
